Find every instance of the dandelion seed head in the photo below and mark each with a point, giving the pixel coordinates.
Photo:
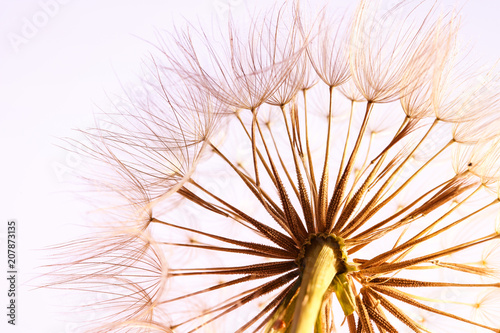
(294, 174)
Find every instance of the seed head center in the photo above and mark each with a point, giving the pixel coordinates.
(319, 240)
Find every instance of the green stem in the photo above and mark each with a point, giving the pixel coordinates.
(320, 267)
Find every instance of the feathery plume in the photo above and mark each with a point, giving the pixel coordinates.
(264, 238)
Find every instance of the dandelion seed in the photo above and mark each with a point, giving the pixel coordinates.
(318, 226)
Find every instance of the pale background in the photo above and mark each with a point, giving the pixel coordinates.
(58, 61)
